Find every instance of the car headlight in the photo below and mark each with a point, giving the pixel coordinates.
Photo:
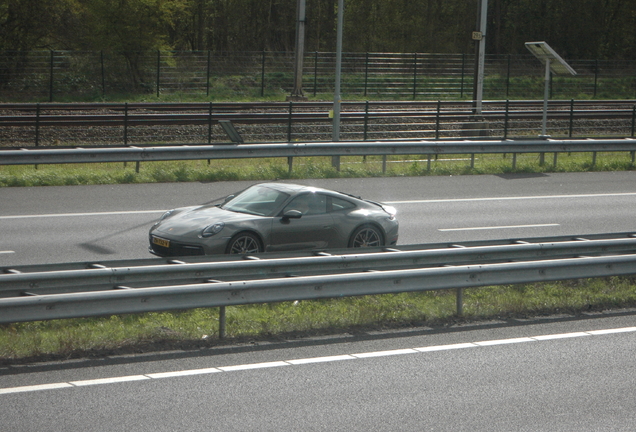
(210, 230)
(167, 214)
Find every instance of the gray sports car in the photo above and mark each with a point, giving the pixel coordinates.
(274, 217)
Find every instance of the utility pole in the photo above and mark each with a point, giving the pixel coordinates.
(297, 93)
(335, 160)
(480, 55)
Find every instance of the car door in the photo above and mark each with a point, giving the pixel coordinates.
(313, 230)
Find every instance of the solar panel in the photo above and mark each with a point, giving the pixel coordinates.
(545, 53)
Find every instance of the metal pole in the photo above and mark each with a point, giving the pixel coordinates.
(335, 160)
(482, 56)
(546, 95)
(297, 93)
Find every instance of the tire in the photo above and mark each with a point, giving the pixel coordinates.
(366, 236)
(243, 244)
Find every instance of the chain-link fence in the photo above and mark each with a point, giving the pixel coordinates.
(87, 76)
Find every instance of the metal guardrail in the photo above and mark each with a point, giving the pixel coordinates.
(341, 148)
(54, 294)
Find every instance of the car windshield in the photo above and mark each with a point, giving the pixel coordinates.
(256, 200)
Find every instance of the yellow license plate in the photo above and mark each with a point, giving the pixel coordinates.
(161, 242)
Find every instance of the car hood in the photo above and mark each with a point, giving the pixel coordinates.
(190, 220)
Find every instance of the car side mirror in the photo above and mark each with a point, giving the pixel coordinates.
(227, 198)
(292, 214)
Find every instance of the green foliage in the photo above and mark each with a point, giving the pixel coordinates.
(582, 29)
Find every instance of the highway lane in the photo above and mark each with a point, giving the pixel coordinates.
(558, 374)
(92, 223)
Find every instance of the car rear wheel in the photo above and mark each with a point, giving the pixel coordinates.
(244, 243)
(366, 236)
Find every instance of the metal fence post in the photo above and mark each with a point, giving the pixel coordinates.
(158, 70)
(506, 118)
(37, 124)
(366, 73)
(51, 65)
(366, 120)
(101, 60)
(290, 159)
(207, 81)
(126, 124)
(414, 76)
(315, 72)
(439, 107)
(461, 89)
(571, 117)
(508, 77)
(209, 126)
(263, 73)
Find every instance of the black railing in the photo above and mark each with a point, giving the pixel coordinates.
(75, 76)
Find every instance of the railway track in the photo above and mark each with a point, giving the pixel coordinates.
(59, 124)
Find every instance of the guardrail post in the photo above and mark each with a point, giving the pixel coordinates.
(633, 120)
(460, 301)
(222, 322)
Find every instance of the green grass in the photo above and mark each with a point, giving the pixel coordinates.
(269, 169)
(199, 327)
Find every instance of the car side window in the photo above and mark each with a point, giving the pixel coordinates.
(308, 204)
(340, 204)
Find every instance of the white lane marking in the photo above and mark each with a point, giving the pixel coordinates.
(130, 212)
(327, 359)
(111, 380)
(253, 366)
(512, 198)
(183, 373)
(500, 227)
(52, 215)
(6, 252)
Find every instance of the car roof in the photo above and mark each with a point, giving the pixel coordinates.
(292, 188)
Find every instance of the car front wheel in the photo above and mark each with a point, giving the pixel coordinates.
(366, 236)
(244, 243)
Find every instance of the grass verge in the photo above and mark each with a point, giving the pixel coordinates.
(311, 167)
(118, 334)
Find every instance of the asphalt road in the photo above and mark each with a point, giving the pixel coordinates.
(92, 223)
(559, 373)
(550, 374)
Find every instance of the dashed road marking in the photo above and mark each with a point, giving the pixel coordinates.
(310, 360)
